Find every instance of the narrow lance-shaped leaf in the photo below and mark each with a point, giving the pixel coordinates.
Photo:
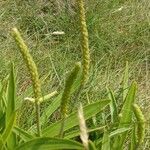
(106, 141)
(92, 146)
(76, 133)
(118, 131)
(50, 143)
(72, 119)
(2, 120)
(11, 99)
(51, 109)
(3, 102)
(126, 111)
(25, 136)
(126, 115)
(114, 133)
(3, 88)
(9, 127)
(11, 95)
(133, 144)
(113, 106)
(1, 142)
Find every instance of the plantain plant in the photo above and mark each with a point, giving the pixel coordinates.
(13, 137)
(123, 127)
(62, 134)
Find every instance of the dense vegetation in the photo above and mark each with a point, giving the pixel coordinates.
(41, 100)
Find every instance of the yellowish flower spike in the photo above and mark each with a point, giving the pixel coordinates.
(140, 123)
(29, 61)
(67, 92)
(84, 42)
(33, 72)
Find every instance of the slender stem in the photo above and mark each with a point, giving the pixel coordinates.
(37, 109)
(61, 134)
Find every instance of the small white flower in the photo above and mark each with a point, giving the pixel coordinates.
(119, 9)
(58, 33)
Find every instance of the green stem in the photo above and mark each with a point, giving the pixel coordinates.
(37, 108)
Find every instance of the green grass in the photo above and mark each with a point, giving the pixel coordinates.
(119, 31)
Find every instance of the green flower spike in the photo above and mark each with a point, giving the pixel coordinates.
(84, 43)
(33, 72)
(67, 93)
(140, 123)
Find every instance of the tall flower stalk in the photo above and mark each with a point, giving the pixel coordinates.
(84, 43)
(67, 94)
(33, 72)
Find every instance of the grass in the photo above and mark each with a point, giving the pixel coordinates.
(119, 31)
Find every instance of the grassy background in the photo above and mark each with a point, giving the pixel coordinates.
(119, 31)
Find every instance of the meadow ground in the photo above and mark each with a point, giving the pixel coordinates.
(119, 31)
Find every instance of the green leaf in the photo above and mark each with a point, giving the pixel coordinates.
(3, 87)
(114, 133)
(133, 145)
(72, 119)
(1, 100)
(11, 95)
(11, 98)
(2, 122)
(106, 141)
(126, 115)
(12, 141)
(1, 143)
(8, 129)
(119, 131)
(50, 109)
(126, 111)
(50, 143)
(77, 132)
(3, 104)
(113, 106)
(92, 146)
(25, 136)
